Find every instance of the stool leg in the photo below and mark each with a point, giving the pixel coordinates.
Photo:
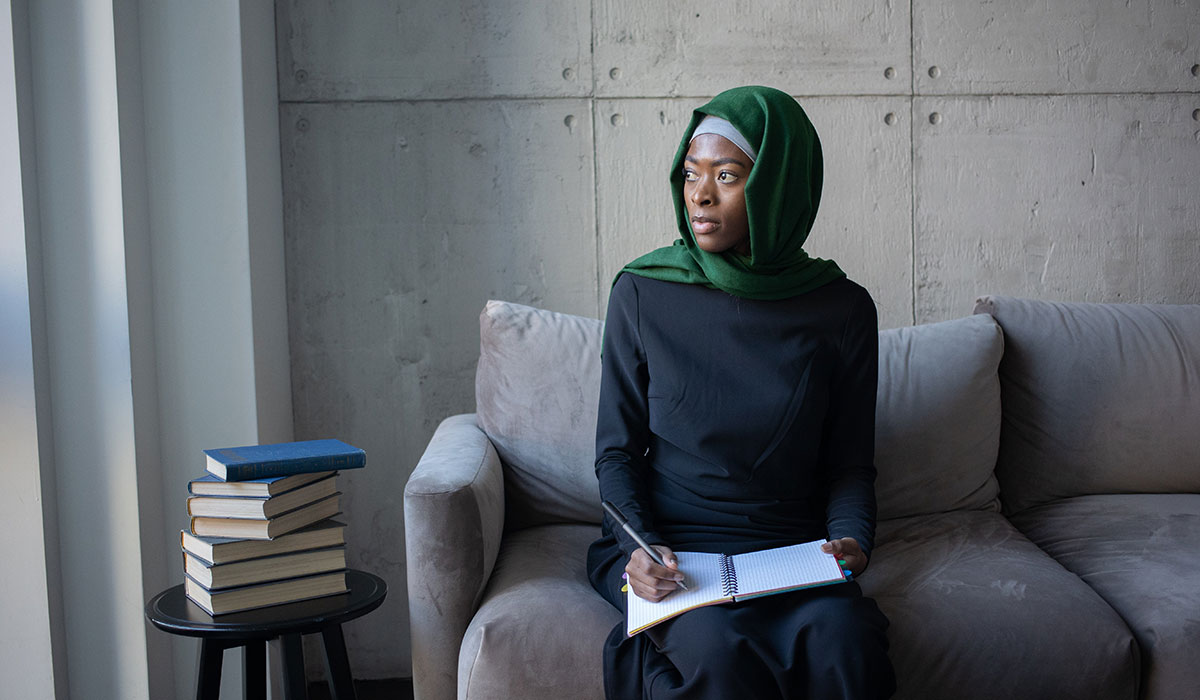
(294, 685)
(254, 670)
(208, 685)
(337, 664)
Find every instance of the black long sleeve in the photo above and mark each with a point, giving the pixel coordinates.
(622, 428)
(849, 439)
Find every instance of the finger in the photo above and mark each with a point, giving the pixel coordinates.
(643, 592)
(659, 578)
(650, 593)
(642, 565)
(670, 559)
(655, 571)
(648, 587)
(671, 570)
(652, 588)
(662, 586)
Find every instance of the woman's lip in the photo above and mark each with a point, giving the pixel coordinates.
(702, 225)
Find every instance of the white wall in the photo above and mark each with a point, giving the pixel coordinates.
(151, 323)
(439, 154)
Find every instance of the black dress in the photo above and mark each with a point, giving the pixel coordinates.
(730, 425)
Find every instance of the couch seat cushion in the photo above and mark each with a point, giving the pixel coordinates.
(978, 611)
(1141, 553)
(541, 627)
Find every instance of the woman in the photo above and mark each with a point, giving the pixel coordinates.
(737, 413)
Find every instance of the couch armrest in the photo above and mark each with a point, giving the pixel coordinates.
(453, 521)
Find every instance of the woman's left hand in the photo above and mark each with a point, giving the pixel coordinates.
(846, 549)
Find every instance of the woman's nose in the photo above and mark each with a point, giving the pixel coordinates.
(702, 192)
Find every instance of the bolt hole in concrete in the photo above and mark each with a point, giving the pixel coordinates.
(617, 119)
(302, 125)
(301, 75)
(889, 72)
(889, 118)
(568, 74)
(934, 71)
(1196, 69)
(615, 73)
(570, 122)
(1196, 114)
(935, 118)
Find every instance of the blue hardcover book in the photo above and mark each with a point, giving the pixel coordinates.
(283, 459)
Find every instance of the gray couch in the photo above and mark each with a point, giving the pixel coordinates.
(1039, 516)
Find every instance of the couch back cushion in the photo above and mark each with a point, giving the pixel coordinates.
(937, 419)
(537, 390)
(1098, 398)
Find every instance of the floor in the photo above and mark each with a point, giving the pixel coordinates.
(387, 689)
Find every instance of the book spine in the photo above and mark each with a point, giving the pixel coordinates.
(729, 584)
(303, 465)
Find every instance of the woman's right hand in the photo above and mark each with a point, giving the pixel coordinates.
(649, 580)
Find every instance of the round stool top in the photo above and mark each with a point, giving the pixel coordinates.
(173, 612)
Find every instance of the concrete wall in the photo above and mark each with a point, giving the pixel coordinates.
(439, 154)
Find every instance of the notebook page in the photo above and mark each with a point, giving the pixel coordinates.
(785, 567)
(702, 574)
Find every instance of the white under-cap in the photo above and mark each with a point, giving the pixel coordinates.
(722, 127)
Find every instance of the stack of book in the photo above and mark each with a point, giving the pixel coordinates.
(262, 528)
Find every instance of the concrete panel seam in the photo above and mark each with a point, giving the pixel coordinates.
(912, 161)
(596, 207)
(912, 201)
(600, 312)
(1058, 94)
(554, 98)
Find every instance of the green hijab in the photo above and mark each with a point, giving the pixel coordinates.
(782, 195)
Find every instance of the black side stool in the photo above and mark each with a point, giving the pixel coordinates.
(172, 612)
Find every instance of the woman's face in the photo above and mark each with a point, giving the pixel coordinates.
(714, 192)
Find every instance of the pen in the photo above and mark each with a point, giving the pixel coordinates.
(620, 520)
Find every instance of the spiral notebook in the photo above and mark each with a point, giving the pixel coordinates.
(713, 579)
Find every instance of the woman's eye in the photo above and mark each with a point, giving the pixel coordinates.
(727, 176)
(690, 176)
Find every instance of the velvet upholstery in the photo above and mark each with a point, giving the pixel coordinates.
(500, 509)
(537, 390)
(967, 584)
(978, 611)
(1141, 553)
(937, 417)
(1098, 398)
(453, 521)
(540, 625)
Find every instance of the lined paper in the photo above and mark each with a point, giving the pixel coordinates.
(702, 575)
(758, 573)
(797, 566)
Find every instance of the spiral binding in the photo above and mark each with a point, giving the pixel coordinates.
(729, 583)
